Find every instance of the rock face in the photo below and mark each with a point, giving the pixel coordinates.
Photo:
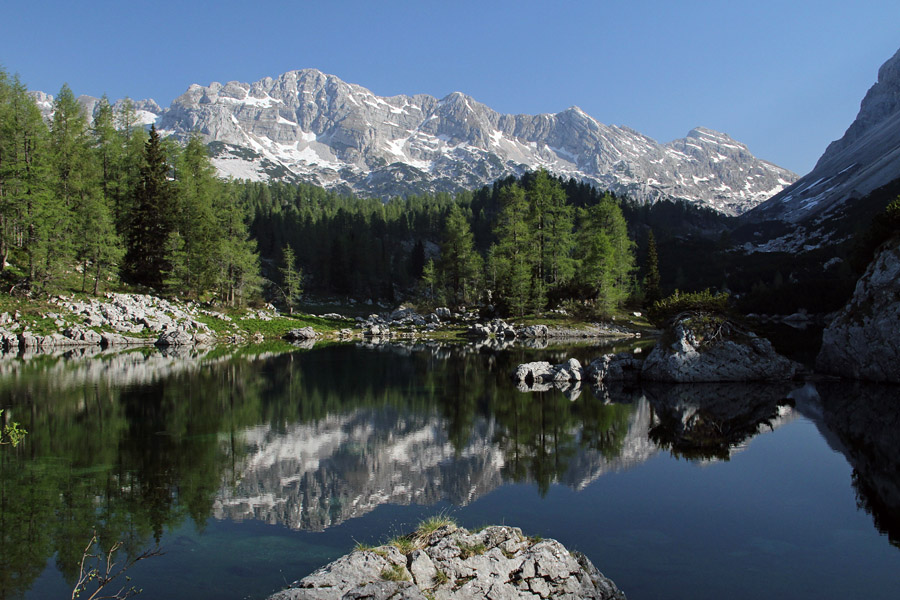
(864, 159)
(699, 347)
(452, 563)
(309, 126)
(862, 341)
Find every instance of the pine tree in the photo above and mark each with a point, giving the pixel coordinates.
(152, 219)
(653, 292)
(292, 279)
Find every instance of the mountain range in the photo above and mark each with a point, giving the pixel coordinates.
(312, 127)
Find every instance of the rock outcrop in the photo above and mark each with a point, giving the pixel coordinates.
(453, 564)
(699, 347)
(862, 341)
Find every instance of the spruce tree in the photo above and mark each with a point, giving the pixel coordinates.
(151, 220)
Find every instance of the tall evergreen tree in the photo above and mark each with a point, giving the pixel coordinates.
(552, 223)
(606, 254)
(238, 273)
(152, 219)
(460, 263)
(193, 264)
(515, 254)
(292, 279)
(24, 178)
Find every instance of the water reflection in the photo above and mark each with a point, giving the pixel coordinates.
(866, 419)
(135, 443)
(713, 420)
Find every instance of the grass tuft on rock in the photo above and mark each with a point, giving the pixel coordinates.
(395, 573)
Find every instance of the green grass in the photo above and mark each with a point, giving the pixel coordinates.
(432, 524)
(403, 543)
(395, 573)
(441, 578)
(467, 550)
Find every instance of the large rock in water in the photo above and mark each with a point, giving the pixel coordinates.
(454, 564)
(702, 347)
(862, 342)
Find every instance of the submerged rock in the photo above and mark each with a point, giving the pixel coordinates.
(453, 564)
(700, 347)
(862, 341)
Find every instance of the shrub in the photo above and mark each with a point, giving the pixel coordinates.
(666, 309)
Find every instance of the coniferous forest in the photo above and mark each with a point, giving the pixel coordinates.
(101, 203)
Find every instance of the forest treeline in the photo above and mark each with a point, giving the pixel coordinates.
(87, 202)
(90, 204)
(521, 244)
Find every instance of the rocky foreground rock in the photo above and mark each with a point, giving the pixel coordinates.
(699, 347)
(862, 342)
(696, 347)
(453, 563)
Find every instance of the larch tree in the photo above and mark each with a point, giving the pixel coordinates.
(292, 279)
(460, 264)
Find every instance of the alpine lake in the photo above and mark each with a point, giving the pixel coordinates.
(252, 467)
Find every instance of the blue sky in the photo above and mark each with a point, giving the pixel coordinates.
(784, 77)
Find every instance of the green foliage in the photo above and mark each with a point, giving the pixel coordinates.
(440, 578)
(705, 301)
(652, 290)
(460, 265)
(152, 219)
(11, 432)
(292, 278)
(606, 255)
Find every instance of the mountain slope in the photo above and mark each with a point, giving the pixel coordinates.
(309, 126)
(329, 132)
(865, 159)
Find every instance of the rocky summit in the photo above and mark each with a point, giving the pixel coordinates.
(452, 563)
(309, 126)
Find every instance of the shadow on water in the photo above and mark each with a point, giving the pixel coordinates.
(866, 419)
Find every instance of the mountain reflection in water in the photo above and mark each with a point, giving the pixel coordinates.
(137, 443)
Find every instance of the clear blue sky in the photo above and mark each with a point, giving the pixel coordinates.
(784, 77)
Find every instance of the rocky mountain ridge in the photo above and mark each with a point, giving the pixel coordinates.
(865, 159)
(309, 126)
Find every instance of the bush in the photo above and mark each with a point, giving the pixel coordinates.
(666, 309)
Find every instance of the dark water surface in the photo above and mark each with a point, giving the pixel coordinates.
(251, 471)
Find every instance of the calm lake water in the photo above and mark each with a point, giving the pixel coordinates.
(253, 469)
